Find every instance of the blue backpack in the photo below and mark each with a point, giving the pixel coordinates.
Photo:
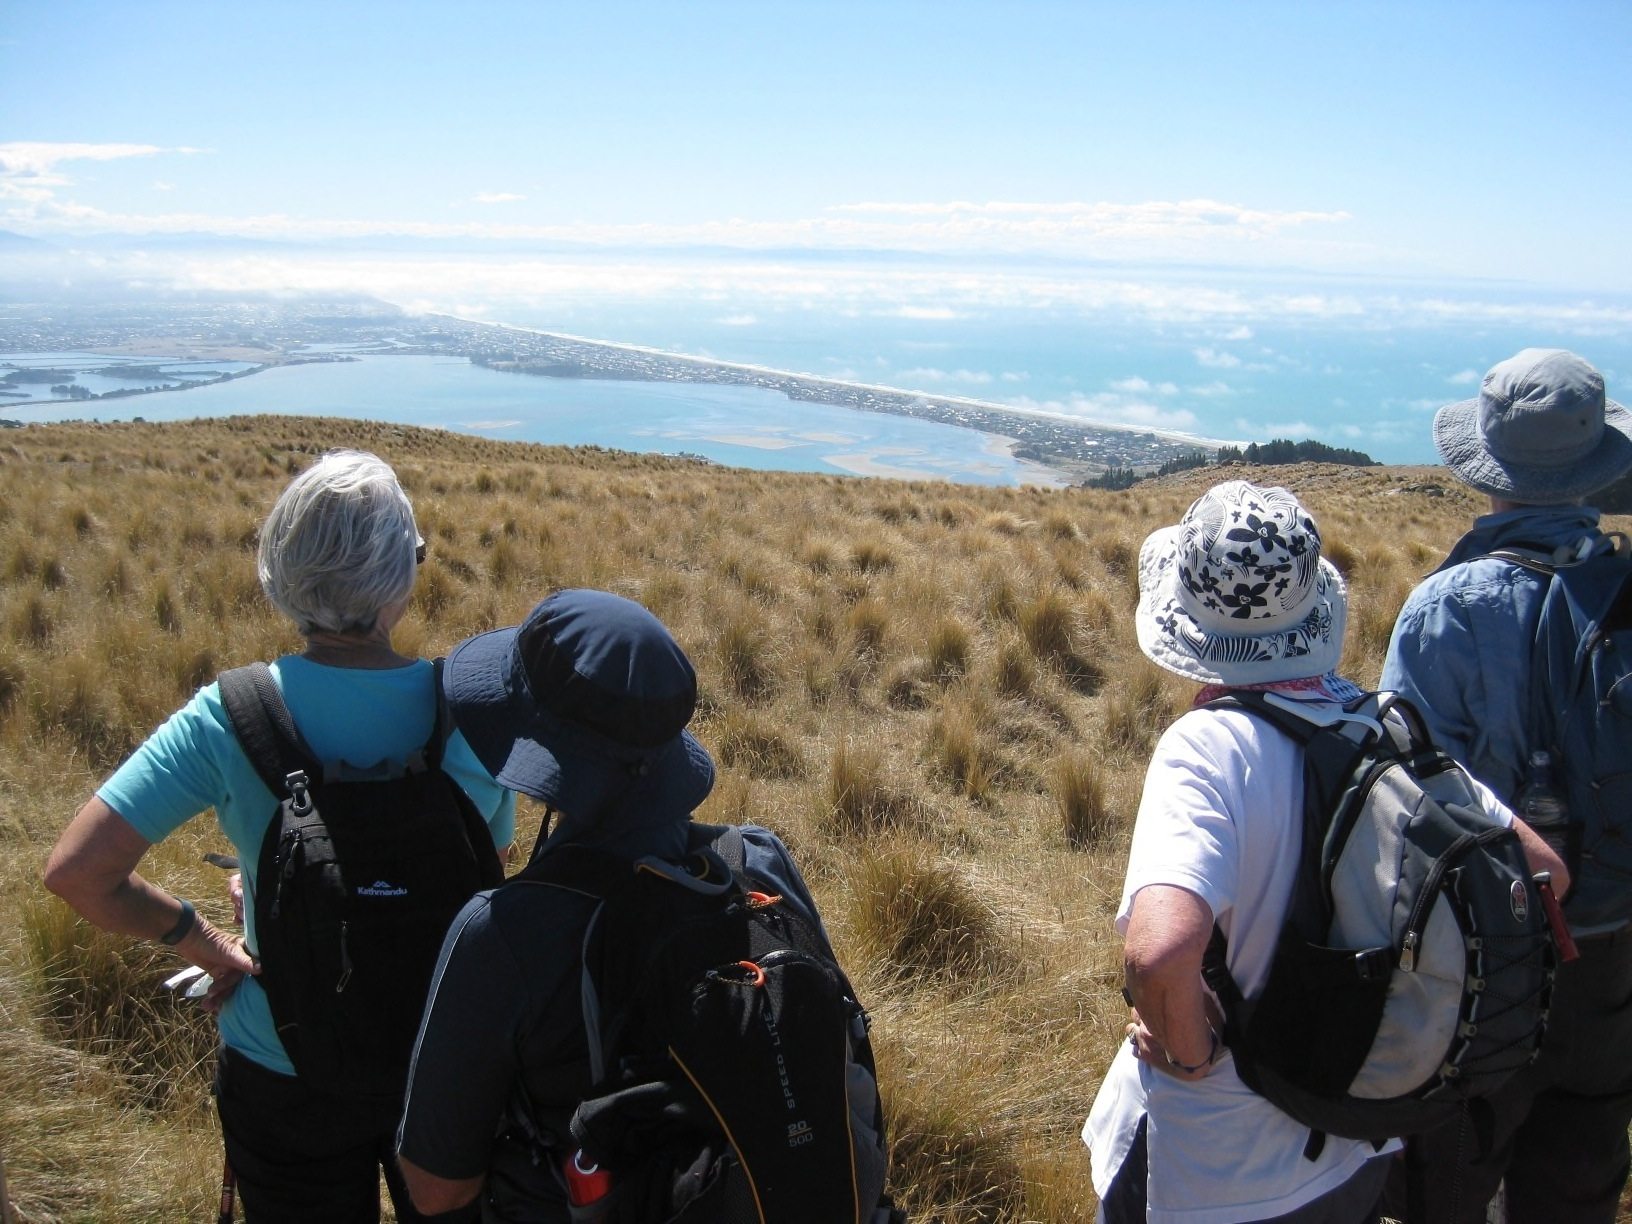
(1581, 712)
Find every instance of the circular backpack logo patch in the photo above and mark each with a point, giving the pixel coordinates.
(1519, 897)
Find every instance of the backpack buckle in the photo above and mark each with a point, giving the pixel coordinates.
(1373, 965)
(299, 796)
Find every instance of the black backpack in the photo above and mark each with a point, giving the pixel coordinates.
(358, 878)
(733, 1078)
(1414, 966)
(1581, 713)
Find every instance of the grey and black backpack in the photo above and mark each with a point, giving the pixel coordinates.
(358, 878)
(1414, 966)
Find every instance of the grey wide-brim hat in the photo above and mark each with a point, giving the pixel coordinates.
(1238, 593)
(583, 705)
(1540, 432)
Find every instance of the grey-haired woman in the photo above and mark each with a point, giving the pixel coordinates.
(338, 555)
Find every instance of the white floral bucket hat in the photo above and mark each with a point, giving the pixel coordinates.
(1237, 593)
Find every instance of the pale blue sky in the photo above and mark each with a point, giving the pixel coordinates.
(1432, 140)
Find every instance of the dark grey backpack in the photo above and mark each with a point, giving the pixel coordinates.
(1581, 713)
(1413, 970)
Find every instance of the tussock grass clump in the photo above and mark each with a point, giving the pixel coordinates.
(80, 706)
(11, 684)
(1005, 523)
(1059, 525)
(746, 741)
(999, 600)
(1137, 710)
(743, 649)
(820, 557)
(1014, 668)
(869, 624)
(34, 621)
(165, 612)
(909, 685)
(1372, 614)
(1341, 554)
(964, 755)
(1421, 556)
(943, 1169)
(859, 799)
(1048, 626)
(871, 556)
(53, 577)
(435, 590)
(949, 649)
(918, 917)
(1119, 555)
(1078, 791)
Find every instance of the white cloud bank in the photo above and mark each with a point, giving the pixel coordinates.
(1113, 408)
(29, 173)
(35, 200)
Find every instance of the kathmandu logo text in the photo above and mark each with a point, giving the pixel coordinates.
(381, 888)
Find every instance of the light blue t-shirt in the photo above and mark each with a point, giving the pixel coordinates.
(194, 762)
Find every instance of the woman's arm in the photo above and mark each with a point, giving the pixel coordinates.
(1167, 935)
(93, 868)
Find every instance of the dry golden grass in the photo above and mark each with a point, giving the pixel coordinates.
(931, 691)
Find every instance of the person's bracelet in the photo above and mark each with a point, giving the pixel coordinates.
(184, 925)
(1191, 1069)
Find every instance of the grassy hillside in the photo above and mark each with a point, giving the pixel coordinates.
(931, 691)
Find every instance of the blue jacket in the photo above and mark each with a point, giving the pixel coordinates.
(1461, 647)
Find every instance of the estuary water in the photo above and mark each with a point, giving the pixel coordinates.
(737, 426)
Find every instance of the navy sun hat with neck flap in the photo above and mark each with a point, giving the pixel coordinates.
(583, 705)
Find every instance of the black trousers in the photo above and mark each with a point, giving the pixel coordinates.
(1559, 1133)
(302, 1154)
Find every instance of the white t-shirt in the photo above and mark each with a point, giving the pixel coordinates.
(1219, 816)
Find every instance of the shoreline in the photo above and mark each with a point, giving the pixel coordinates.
(1072, 448)
(962, 401)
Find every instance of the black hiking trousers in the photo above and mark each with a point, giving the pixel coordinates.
(303, 1154)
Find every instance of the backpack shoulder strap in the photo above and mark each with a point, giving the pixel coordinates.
(1256, 702)
(261, 721)
(441, 726)
(724, 840)
(1549, 561)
